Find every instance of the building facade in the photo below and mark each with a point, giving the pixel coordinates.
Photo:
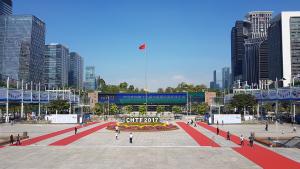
(56, 67)
(226, 78)
(6, 7)
(284, 48)
(76, 71)
(260, 22)
(22, 42)
(90, 78)
(239, 33)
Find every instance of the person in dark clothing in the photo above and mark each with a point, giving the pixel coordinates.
(18, 140)
(267, 127)
(228, 135)
(75, 130)
(218, 130)
(130, 138)
(11, 139)
(251, 140)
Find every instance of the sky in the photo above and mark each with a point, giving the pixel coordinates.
(186, 39)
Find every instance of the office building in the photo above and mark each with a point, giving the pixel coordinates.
(239, 33)
(284, 48)
(6, 7)
(90, 78)
(260, 22)
(22, 42)
(226, 78)
(214, 84)
(76, 71)
(56, 68)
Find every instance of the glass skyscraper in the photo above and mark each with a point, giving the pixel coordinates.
(5, 7)
(76, 70)
(56, 67)
(22, 42)
(90, 78)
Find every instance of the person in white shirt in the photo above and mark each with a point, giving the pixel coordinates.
(130, 138)
(242, 139)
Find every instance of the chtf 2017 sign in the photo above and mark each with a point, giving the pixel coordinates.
(142, 119)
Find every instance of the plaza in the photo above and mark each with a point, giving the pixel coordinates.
(96, 147)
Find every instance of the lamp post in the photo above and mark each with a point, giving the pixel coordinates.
(294, 105)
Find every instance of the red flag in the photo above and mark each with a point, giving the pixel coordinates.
(143, 46)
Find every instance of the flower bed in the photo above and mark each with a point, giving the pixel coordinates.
(142, 127)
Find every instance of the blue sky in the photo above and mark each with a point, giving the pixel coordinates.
(186, 39)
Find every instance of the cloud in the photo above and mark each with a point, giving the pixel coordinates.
(179, 78)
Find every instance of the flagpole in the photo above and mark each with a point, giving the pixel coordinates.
(146, 82)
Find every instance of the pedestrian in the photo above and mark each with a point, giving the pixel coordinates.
(130, 138)
(117, 135)
(217, 122)
(228, 135)
(222, 122)
(11, 139)
(218, 130)
(195, 124)
(267, 126)
(242, 139)
(75, 130)
(18, 140)
(251, 139)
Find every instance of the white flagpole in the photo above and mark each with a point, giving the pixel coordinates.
(7, 91)
(39, 99)
(146, 82)
(22, 103)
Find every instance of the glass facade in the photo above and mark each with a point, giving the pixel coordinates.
(90, 78)
(22, 41)
(295, 45)
(76, 70)
(56, 67)
(5, 7)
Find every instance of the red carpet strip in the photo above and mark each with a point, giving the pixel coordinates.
(75, 137)
(200, 138)
(263, 157)
(1, 147)
(47, 136)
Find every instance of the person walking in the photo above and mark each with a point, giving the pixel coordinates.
(75, 130)
(251, 139)
(222, 122)
(228, 135)
(11, 139)
(242, 140)
(18, 140)
(218, 130)
(130, 138)
(117, 136)
(267, 126)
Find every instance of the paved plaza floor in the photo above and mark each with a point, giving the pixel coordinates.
(96, 147)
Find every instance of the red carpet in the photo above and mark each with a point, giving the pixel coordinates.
(47, 136)
(73, 138)
(200, 138)
(1, 147)
(258, 154)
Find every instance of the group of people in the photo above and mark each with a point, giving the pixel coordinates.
(118, 131)
(192, 122)
(18, 140)
(228, 137)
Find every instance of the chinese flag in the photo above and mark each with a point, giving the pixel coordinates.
(142, 47)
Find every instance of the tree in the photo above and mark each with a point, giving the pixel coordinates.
(160, 90)
(59, 105)
(160, 109)
(202, 108)
(242, 101)
(128, 108)
(176, 109)
(113, 108)
(99, 108)
(142, 109)
(131, 88)
(123, 86)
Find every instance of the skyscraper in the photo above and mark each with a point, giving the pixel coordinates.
(284, 51)
(226, 78)
(90, 78)
(76, 71)
(22, 41)
(5, 7)
(56, 68)
(260, 22)
(239, 33)
(214, 84)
